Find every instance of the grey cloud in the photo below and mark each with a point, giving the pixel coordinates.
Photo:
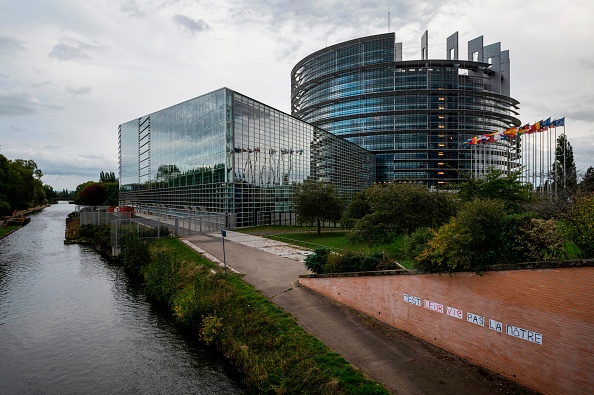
(85, 90)
(18, 129)
(582, 112)
(70, 49)
(11, 43)
(17, 104)
(189, 24)
(587, 63)
(335, 12)
(132, 9)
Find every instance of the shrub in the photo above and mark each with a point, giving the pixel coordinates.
(540, 240)
(468, 241)
(332, 264)
(135, 253)
(210, 328)
(370, 262)
(416, 242)
(4, 208)
(160, 276)
(315, 262)
(484, 234)
(579, 225)
(98, 234)
(393, 209)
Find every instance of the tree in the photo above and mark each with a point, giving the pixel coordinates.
(93, 195)
(579, 225)
(107, 177)
(587, 184)
(383, 212)
(20, 183)
(317, 202)
(79, 189)
(564, 171)
(50, 194)
(497, 184)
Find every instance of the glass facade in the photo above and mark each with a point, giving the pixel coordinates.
(229, 154)
(414, 115)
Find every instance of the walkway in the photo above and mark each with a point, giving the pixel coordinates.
(402, 363)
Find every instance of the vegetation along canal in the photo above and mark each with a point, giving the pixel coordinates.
(70, 322)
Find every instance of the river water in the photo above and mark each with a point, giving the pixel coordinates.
(72, 323)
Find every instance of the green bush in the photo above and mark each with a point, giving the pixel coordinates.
(416, 242)
(579, 225)
(383, 212)
(98, 234)
(160, 276)
(4, 208)
(315, 262)
(468, 241)
(135, 253)
(539, 240)
(483, 233)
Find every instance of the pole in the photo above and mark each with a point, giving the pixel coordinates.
(224, 234)
(564, 151)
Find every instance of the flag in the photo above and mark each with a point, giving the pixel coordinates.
(524, 128)
(538, 125)
(546, 124)
(531, 129)
(558, 122)
(511, 132)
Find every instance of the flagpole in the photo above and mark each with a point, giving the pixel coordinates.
(564, 154)
(555, 164)
(541, 166)
(549, 164)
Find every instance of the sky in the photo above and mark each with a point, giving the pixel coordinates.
(71, 71)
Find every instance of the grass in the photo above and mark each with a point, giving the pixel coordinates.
(339, 242)
(274, 229)
(274, 354)
(8, 230)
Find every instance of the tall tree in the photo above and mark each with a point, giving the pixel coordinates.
(94, 194)
(316, 202)
(587, 184)
(564, 171)
(497, 184)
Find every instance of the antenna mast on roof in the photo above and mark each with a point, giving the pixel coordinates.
(388, 16)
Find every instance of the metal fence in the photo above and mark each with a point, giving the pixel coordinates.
(276, 218)
(99, 215)
(156, 227)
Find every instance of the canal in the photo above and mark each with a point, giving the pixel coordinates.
(71, 322)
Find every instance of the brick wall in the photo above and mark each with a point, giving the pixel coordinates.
(550, 312)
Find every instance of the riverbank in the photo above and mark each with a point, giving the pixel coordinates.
(270, 349)
(265, 344)
(18, 219)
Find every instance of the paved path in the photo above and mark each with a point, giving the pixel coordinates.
(402, 363)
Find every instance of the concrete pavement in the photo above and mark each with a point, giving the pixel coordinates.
(402, 363)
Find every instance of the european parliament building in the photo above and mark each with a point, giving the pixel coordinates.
(360, 114)
(414, 115)
(226, 153)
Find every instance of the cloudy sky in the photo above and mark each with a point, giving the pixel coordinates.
(71, 71)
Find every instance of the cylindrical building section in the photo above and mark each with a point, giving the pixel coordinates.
(414, 115)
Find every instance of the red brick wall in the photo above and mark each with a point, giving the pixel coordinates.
(556, 305)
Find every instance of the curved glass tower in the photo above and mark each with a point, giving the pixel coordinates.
(414, 115)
